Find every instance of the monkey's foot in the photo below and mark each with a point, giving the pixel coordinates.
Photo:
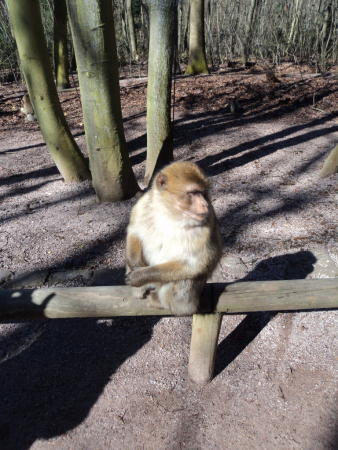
(153, 301)
(153, 304)
(141, 292)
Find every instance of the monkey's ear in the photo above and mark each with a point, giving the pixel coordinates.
(161, 181)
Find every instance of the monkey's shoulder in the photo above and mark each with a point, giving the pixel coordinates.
(142, 212)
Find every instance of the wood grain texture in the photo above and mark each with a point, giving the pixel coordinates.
(102, 301)
(204, 338)
(283, 295)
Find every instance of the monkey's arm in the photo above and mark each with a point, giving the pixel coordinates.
(134, 257)
(161, 273)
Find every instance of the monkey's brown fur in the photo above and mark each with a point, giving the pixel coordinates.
(173, 239)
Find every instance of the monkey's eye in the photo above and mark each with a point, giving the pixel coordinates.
(194, 192)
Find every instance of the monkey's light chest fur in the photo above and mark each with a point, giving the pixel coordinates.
(165, 239)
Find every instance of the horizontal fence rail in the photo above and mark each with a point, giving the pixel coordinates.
(217, 299)
(110, 301)
(283, 295)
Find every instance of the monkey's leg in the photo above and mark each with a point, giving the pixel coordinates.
(154, 301)
(164, 295)
(182, 297)
(143, 291)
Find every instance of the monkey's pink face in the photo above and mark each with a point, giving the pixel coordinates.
(193, 203)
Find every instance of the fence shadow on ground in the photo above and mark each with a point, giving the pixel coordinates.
(301, 264)
(50, 388)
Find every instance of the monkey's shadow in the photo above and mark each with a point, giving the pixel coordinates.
(295, 266)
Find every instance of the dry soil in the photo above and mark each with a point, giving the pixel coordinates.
(123, 383)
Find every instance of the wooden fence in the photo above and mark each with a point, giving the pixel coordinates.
(217, 299)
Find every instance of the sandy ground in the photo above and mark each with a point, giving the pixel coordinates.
(123, 383)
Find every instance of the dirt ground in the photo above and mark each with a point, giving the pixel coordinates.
(123, 383)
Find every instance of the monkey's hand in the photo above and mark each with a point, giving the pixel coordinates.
(135, 277)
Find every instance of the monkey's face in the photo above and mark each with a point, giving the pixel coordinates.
(193, 203)
(183, 188)
(190, 204)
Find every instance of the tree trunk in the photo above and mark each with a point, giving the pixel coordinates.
(326, 35)
(93, 32)
(124, 23)
(248, 31)
(197, 62)
(331, 164)
(29, 34)
(61, 64)
(293, 31)
(234, 19)
(161, 45)
(131, 26)
(176, 60)
(179, 26)
(184, 45)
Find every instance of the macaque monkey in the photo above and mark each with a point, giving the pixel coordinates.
(173, 240)
(234, 106)
(28, 108)
(271, 77)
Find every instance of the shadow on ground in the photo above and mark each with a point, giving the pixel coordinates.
(298, 266)
(49, 388)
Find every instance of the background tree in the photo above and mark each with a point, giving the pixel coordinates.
(248, 30)
(29, 35)
(123, 8)
(295, 21)
(131, 26)
(301, 29)
(92, 25)
(183, 31)
(331, 164)
(197, 61)
(326, 35)
(161, 46)
(61, 63)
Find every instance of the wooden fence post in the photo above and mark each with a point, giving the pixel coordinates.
(204, 338)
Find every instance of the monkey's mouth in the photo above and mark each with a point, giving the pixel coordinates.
(191, 215)
(202, 216)
(195, 216)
